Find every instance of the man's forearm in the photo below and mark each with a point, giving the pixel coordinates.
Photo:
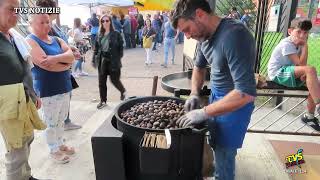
(198, 75)
(231, 102)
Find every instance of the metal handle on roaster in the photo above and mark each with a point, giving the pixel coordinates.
(202, 130)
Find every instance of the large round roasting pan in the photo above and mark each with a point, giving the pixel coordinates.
(185, 152)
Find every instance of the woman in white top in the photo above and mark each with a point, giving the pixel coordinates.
(77, 35)
(76, 32)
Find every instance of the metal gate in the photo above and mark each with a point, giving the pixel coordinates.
(257, 21)
(23, 24)
(268, 22)
(267, 40)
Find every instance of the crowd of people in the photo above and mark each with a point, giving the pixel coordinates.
(47, 62)
(235, 14)
(37, 71)
(158, 31)
(134, 29)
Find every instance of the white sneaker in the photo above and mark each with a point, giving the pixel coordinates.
(75, 75)
(83, 73)
(164, 65)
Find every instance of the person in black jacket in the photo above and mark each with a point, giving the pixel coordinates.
(107, 58)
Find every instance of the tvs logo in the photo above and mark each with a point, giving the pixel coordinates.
(295, 159)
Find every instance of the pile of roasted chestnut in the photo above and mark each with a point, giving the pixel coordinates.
(154, 114)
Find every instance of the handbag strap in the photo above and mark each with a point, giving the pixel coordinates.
(148, 32)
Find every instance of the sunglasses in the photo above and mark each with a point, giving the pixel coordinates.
(103, 21)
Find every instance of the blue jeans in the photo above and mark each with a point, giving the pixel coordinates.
(225, 163)
(169, 44)
(128, 40)
(140, 35)
(156, 40)
(181, 37)
(78, 65)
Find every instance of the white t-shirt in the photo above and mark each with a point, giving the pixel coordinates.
(77, 35)
(280, 56)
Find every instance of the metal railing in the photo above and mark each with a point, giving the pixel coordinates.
(267, 118)
(23, 24)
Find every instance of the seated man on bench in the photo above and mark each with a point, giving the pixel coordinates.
(288, 66)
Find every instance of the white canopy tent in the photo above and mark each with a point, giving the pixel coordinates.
(93, 3)
(83, 8)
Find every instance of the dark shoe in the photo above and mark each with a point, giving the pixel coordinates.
(314, 123)
(164, 65)
(101, 105)
(71, 126)
(123, 96)
(32, 178)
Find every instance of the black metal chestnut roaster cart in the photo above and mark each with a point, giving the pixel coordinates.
(117, 150)
(118, 154)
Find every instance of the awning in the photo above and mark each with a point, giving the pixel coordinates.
(156, 5)
(112, 3)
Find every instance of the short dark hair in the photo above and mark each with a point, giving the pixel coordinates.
(234, 9)
(301, 23)
(46, 3)
(186, 9)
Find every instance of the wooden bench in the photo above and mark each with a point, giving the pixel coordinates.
(274, 86)
(280, 91)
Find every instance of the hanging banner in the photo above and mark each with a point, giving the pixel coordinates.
(317, 20)
(133, 10)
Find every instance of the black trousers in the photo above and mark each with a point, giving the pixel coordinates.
(127, 37)
(133, 40)
(115, 80)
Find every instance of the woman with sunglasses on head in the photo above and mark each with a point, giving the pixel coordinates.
(107, 58)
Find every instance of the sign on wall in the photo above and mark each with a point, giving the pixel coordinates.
(133, 10)
(317, 20)
(274, 18)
